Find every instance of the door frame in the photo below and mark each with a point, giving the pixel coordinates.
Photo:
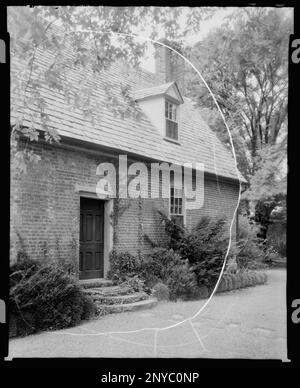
(90, 192)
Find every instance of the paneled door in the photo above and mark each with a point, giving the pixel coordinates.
(91, 238)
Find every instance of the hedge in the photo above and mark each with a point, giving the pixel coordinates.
(231, 282)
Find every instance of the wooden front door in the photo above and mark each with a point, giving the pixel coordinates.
(91, 238)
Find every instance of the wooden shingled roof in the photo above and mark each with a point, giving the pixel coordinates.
(130, 133)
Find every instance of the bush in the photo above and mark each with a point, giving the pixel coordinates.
(161, 291)
(249, 249)
(205, 249)
(174, 231)
(276, 236)
(241, 279)
(203, 292)
(135, 284)
(161, 265)
(46, 297)
(89, 307)
(165, 265)
(23, 269)
(123, 265)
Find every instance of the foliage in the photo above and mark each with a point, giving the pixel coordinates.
(45, 297)
(167, 266)
(268, 185)
(89, 309)
(161, 291)
(204, 248)
(97, 37)
(245, 64)
(123, 265)
(276, 237)
(241, 279)
(23, 269)
(249, 248)
(173, 230)
(135, 284)
(269, 181)
(161, 265)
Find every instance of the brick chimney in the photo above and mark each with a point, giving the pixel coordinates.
(169, 66)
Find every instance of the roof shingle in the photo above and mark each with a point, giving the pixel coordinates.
(126, 133)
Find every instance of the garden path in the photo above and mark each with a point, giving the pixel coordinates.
(246, 323)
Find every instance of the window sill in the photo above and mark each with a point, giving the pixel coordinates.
(172, 140)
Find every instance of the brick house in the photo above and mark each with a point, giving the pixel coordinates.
(56, 210)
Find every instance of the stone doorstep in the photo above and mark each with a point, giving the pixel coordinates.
(120, 308)
(108, 291)
(110, 298)
(94, 283)
(120, 299)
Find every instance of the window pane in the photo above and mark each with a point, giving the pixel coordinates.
(179, 220)
(166, 109)
(175, 132)
(174, 112)
(171, 129)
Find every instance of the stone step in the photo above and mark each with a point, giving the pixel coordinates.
(95, 283)
(120, 308)
(107, 291)
(120, 299)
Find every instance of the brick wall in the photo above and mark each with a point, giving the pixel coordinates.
(220, 200)
(45, 206)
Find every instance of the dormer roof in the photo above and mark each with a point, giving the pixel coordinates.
(169, 90)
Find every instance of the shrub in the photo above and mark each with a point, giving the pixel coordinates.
(203, 292)
(161, 291)
(276, 236)
(123, 265)
(160, 265)
(249, 249)
(221, 285)
(205, 248)
(23, 269)
(89, 307)
(230, 282)
(174, 231)
(165, 265)
(241, 279)
(135, 284)
(46, 297)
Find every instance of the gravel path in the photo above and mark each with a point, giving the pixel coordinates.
(247, 323)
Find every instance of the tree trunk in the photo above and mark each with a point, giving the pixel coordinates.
(262, 218)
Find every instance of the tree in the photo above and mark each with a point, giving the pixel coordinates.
(244, 62)
(268, 184)
(92, 34)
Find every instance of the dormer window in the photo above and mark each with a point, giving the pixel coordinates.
(161, 105)
(171, 120)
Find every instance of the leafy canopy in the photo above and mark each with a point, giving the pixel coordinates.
(92, 34)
